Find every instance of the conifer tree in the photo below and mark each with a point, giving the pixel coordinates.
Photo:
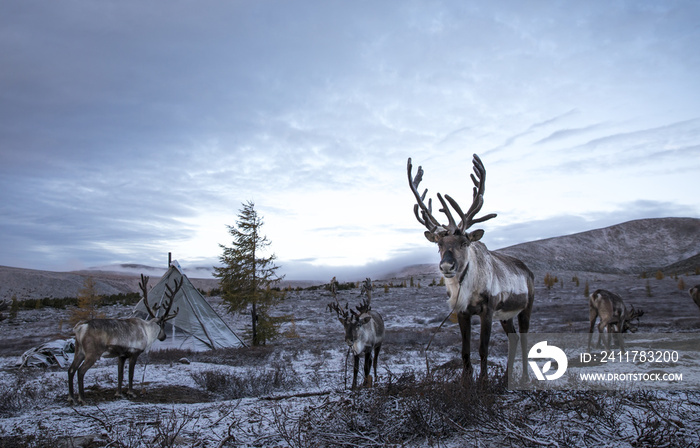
(88, 302)
(247, 277)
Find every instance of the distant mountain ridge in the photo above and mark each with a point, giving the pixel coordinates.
(35, 284)
(671, 245)
(632, 247)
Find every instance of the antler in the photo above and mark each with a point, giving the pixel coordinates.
(467, 219)
(477, 197)
(171, 296)
(143, 285)
(631, 315)
(362, 307)
(343, 314)
(428, 220)
(634, 314)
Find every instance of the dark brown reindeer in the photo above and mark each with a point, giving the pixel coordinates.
(118, 338)
(364, 334)
(613, 313)
(695, 294)
(479, 282)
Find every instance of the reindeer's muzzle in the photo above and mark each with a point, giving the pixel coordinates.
(448, 265)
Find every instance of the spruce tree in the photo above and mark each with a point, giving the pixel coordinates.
(247, 277)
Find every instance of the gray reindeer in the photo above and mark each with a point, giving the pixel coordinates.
(364, 334)
(118, 338)
(479, 282)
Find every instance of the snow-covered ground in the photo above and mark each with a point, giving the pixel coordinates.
(293, 392)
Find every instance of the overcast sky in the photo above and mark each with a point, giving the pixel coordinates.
(129, 129)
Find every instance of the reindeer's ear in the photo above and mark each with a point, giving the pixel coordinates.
(366, 319)
(430, 236)
(475, 235)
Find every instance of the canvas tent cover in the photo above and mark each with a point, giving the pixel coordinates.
(197, 326)
(54, 353)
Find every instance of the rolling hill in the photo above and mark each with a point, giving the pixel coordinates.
(629, 248)
(645, 245)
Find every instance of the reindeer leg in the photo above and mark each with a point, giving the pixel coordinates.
(132, 366)
(618, 335)
(120, 376)
(486, 321)
(465, 327)
(524, 327)
(603, 330)
(367, 369)
(509, 328)
(89, 362)
(77, 360)
(376, 356)
(592, 317)
(355, 368)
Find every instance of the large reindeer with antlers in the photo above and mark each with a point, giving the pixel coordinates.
(364, 334)
(479, 282)
(118, 338)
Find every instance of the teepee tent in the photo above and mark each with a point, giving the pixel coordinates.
(197, 326)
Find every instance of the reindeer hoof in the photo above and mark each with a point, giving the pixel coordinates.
(467, 378)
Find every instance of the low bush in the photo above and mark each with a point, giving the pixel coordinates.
(252, 383)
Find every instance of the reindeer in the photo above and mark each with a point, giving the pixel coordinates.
(364, 333)
(613, 313)
(695, 294)
(479, 282)
(121, 338)
(366, 289)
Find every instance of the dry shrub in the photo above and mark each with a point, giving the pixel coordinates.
(409, 407)
(249, 356)
(29, 441)
(21, 396)
(428, 410)
(171, 355)
(252, 383)
(162, 430)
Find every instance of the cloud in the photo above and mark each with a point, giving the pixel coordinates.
(568, 133)
(127, 132)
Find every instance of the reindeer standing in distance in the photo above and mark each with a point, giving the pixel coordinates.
(122, 338)
(695, 294)
(479, 282)
(366, 289)
(364, 334)
(613, 313)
